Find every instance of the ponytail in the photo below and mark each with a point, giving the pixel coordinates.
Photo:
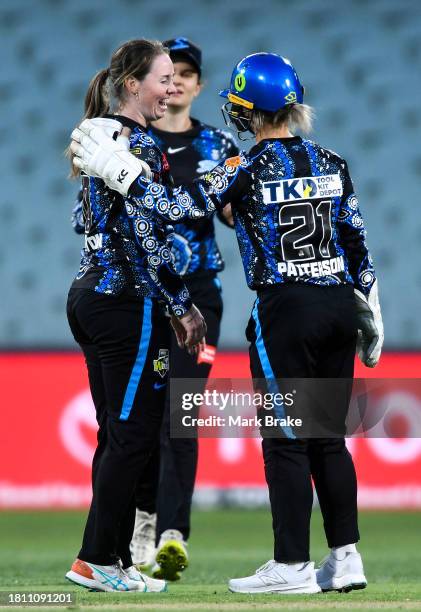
(96, 99)
(96, 105)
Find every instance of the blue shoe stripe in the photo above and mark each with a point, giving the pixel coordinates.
(114, 581)
(137, 371)
(267, 369)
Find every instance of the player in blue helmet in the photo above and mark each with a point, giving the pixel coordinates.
(262, 81)
(303, 245)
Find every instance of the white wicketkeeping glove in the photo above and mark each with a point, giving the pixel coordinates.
(370, 326)
(111, 127)
(97, 154)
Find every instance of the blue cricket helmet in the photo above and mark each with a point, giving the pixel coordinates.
(264, 81)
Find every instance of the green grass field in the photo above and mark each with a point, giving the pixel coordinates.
(36, 549)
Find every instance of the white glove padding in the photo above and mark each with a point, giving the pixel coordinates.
(370, 326)
(111, 127)
(97, 154)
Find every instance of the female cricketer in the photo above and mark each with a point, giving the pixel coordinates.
(116, 313)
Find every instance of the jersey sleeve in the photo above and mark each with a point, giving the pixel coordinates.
(155, 254)
(78, 221)
(157, 261)
(232, 150)
(209, 193)
(353, 238)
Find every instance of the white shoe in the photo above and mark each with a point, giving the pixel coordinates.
(101, 577)
(146, 584)
(142, 546)
(341, 575)
(171, 555)
(280, 578)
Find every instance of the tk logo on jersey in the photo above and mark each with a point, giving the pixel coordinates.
(305, 188)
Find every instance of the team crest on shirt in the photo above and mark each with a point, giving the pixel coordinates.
(161, 365)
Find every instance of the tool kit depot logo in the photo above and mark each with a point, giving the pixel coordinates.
(78, 427)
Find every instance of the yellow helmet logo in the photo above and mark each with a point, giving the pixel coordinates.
(291, 97)
(240, 82)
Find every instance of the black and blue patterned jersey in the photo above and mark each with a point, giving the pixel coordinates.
(296, 215)
(78, 222)
(126, 245)
(191, 154)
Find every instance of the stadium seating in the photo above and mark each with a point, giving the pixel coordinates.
(360, 62)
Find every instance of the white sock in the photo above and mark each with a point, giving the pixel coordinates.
(339, 552)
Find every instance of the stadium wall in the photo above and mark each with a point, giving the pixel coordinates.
(48, 433)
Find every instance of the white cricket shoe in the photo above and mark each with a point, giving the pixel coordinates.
(146, 584)
(101, 577)
(142, 546)
(341, 574)
(171, 555)
(281, 578)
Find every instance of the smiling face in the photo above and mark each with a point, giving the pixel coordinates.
(149, 97)
(187, 85)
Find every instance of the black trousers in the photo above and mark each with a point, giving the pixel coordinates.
(126, 343)
(167, 485)
(300, 331)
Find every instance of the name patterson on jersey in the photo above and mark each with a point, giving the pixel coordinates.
(327, 267)
(304, 188)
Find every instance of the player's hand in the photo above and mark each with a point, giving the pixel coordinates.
(226, 212)
(190, 330)
(180, 332)
(370, 326)
(97, 154)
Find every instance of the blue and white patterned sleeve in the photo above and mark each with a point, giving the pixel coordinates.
(78, 222)
(353, 238)
(212, 192)
(157, 260)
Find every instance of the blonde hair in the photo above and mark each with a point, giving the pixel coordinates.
(295, 116)
(106, 90)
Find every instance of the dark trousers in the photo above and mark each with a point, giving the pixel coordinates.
(167, 485)
(126, 343)
(300, 331)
